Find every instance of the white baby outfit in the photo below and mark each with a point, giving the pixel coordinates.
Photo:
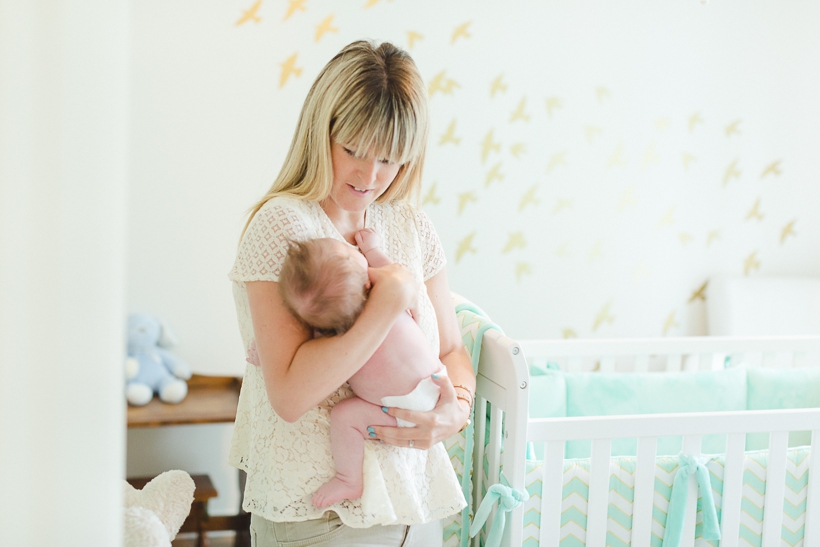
(287, 462)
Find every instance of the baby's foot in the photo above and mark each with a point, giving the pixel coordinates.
(336, 490)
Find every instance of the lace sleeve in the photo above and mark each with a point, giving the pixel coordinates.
(432, 251)
(265, 242)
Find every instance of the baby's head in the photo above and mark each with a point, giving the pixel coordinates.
(324, 283)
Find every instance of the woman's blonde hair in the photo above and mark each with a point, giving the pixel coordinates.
(370, 98)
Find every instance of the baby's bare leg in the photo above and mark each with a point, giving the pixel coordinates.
(349, 420)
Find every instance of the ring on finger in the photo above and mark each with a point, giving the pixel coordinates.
(411, 444)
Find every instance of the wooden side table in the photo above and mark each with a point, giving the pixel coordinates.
(211, 399)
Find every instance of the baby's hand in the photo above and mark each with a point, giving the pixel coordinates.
(253, 355)
(367, 240)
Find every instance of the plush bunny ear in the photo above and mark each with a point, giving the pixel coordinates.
(167, 338)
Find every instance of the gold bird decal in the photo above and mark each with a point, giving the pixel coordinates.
(602, 93)
(460, 32)
(560, 204)
(563, 251)
(772, 169)
(440, 83)
(494, 174)
(732, 172)
(687, 159)
(714, 235)
(591, 132)
(522, 268)
(733, 128)
(465, 246)
(569, 333)
(694, 119)
(518, 113)
(597, 251)
(685, 238)
(515, 241)
(670, 323)
(412, 38)
(650, 157)
(604, 316)
(617, 158)
(497, 86)
(464, 199)
(553, 103)
(325, 27)
(699, 294)
(488, 145)
(371, 3)
(788, 230)
(517, 149)
(293, 7)
(289, 69)
(556, 160)
(628, 199)
(662, 124)
(431, 196)
(755, 212)
(751, 263)
(529, 198)
(251, 14)
(668, 218)
(450, 135)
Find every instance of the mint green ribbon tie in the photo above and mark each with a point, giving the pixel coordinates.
(508, 499)
(676, 514)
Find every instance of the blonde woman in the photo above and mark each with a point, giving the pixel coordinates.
(355, 162)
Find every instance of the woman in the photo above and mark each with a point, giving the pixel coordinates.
(355, 162)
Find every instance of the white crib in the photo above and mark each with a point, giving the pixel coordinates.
(503, 381)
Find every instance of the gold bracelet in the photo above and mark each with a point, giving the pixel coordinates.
(470, 393)
(465, 426)
(465, 399)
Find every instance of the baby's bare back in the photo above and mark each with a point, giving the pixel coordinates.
(401, 362)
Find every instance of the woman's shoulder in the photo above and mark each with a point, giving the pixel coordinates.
(287, 204)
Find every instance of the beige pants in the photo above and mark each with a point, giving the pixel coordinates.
(328, 531)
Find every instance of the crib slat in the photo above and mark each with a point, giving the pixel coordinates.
(644, 492)
(552, 494)
(718, 361)
(769, 359)
(607, 363)
(692, 362)
(642, 363)
(673, 362)
(494, 457)
(691, 446)
(812, 530)
(775, 488)
(732, 490)
(598, 493)
(574, 363)
(478, 450)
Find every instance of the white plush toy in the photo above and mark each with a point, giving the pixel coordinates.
(154, 514)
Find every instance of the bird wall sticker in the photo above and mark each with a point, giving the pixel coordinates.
(464, 199)
(561, 204)
(431, 196)
(324, 27)
(442, 84)
(412, 38)
(529, 198)
(563, 251)
(557, 160)
(602, 93)
(604, 316)
(627, 199)
(685, 238)
(289, 69)
(461, 31)
(617, 158)
(772, 169)
(662, 124)
(450, 135)
(694, 120)
(465, 246)
(553, 104)
(519, 113)
(751, 263)
(733, 128)
(370, 3)
(522, 269)
(494, 174)
(650, 157)
(668, 219)
(597, 251)
(687, 159)
(754, 212)
(251, 14)
(489, 145)
(591, 132)
(700, 293)
(293, 7)
(788, 230)
(497, 85)
(514, 241)
(713, 235)
(670, 323)
(732, 172)
(518, 149)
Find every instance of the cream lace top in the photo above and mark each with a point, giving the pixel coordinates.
(287, 462)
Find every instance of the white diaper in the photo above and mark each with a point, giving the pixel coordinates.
(423, 398)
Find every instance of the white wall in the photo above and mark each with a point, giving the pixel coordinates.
(63, 166)
(212, 121)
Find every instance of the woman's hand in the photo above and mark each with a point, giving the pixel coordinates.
(445, 420)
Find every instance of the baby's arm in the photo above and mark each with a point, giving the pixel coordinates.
(370, 244)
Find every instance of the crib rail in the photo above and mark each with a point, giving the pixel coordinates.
(674, 354)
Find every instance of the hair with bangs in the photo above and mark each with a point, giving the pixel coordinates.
(322, 287)
(371, 98)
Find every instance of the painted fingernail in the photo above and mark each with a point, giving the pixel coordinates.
(384, 409)
(372, 434)
(436, 376)
(370, 429)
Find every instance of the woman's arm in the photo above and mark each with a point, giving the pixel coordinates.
(300, 372)
(451, 413)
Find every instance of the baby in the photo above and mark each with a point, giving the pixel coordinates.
(324, 282)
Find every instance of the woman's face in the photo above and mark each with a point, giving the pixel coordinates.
(359, 178)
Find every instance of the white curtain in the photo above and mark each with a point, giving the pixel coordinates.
(63, 165)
